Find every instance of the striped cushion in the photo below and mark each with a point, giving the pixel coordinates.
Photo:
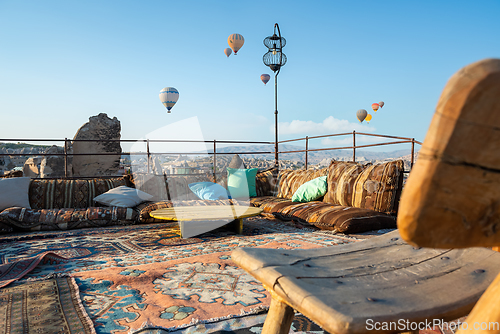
(270, 204)
(325, 216)
(265, 182)
(378, 187)
(341, 177)
(59, 193)
(337, 218)
(290, 180)
(22, 219)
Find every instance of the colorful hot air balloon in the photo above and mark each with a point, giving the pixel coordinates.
(265, 78)
(228, 51)
(381, 104)
(361, 115)
(235, 42)
(169, 96)
(375, 106)
(368, 118)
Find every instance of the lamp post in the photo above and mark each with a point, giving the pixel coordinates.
(275, 59)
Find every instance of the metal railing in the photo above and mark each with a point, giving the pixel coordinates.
(148, 153)
(402, 140)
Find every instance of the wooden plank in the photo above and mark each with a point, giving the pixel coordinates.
(383, 278)
(452, 196)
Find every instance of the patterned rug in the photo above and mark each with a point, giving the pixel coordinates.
(48, 306)
(138, 277)
(11, 272)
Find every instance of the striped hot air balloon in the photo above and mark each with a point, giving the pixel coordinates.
(169, 96)
(235, 42)
(375, 106)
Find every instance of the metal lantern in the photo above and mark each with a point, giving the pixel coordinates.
(275, 59)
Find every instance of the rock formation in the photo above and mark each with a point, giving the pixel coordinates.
(237, 162)
(31, 166)
(53, 165)
(102, 129)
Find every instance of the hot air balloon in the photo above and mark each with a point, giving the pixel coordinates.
(375, 106)
(361, 115)
(368, 118)
(235, 42)
(381, 104)
(228, 51)
(169, 96)
(265, 78)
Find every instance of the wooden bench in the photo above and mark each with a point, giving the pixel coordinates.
(451, 199)
(352, 288)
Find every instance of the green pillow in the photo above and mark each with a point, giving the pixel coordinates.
(311, 190)
(241, 182)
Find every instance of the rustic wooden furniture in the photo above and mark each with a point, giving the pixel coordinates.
(456, 181)
(356, 287)
(452, 199)
(194, 220)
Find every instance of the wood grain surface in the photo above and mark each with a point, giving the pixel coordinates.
(383, 278)
(452, 196)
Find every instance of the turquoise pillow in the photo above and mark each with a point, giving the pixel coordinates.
(241, 182)
(311, 190)
(209, 190)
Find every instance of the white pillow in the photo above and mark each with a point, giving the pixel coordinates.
(14, 192)
(123, 196)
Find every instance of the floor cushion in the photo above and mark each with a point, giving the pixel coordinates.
(325, 216)
(22, 219)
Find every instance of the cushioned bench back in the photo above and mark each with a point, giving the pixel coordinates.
(79, 193)
(376, 187)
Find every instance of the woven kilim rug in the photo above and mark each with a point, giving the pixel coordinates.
(11, 272)
(135, 277)
(48, 306)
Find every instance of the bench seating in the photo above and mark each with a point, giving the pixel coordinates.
(352, 288)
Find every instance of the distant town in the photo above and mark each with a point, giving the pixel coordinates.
(35, 160)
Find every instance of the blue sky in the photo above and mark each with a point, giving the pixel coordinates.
(64, 61)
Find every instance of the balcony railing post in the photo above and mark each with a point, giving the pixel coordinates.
(65, 157)
(307, 146)
(215, 161)
(412, 152)
(354, 145)
(147, 148)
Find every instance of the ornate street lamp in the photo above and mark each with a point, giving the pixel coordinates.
(275, 59)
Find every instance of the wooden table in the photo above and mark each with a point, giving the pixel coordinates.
(194, 220)
(361, 287)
